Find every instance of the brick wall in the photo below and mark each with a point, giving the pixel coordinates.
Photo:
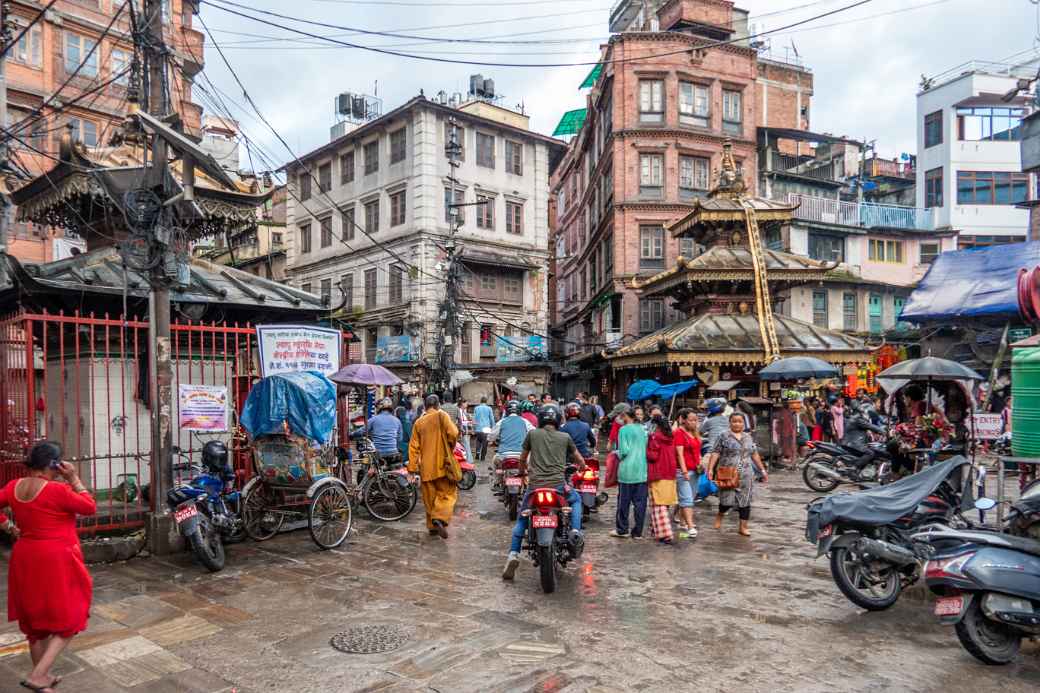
(714, 12)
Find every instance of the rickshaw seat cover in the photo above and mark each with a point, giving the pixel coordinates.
(884, 504)
(306, 400)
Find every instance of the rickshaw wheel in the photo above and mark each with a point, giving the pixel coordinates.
(330, 516)
(259, 520)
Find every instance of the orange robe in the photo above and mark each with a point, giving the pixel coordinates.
(433, 439)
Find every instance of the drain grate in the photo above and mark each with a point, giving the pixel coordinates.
(371, 639)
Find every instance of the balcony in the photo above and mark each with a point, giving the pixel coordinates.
(861, 214)
(876, 168)
(804, 166)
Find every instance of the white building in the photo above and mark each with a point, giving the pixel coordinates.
(968, 163)
(376, 221)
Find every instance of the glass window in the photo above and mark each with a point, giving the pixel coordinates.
(819, 308)
(651, 315)
(732, 111)
(995, 124)
(304, 183)
(397, 208)
(933, 188)
(688, 248)
(398, 139)
(929, 251)
(305, 287)
(325, 177)
(485, 212)
(305, 238)
(78, 51)
(326, 232)
(992, 188)
(84, 131)
(514, 158)
(28, 51)
(371, 157)
(826, 248)
(850, 312)
(876, 313)
(346, 168)
(370, 288)
(694, 104)
(933, 129)
(372, 216)
(651, 100)
(651, 174)
(651, 247)
(485, 150)
(348, 223)
(693, 173)
(514, 217)
(512, 288)
(119, 60)
(396, 284)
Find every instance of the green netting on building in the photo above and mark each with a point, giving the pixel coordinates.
(593, 77)
(571, 122)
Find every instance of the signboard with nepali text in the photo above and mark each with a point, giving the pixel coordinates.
(202, 407)
(291, 348)
(988, 426)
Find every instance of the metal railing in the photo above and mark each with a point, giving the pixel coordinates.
(861, 214)
(1025, 69)
(789, 163)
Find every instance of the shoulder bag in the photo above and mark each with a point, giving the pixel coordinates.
(452, 470)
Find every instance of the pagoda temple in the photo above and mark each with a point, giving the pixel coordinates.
(731, 293)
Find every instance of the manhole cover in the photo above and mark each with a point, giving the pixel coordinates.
(371, 639)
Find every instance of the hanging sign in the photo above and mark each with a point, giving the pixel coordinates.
(291, 348)
(202, 408)
(987, 426)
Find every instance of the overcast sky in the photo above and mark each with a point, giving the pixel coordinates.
(867, 61)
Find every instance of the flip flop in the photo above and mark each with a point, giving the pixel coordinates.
(34, 687)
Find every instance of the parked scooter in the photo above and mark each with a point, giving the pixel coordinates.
(547, 535)
(207, 510)
(587, 484)
(469, 472)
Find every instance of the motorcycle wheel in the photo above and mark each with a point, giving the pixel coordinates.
(208, 547)
(468, 480)
(987, 641)
(330, 516)
(849, 575)
(816, 481)
(512, 505)
(258, 519)
(547, 567)
(387, 501)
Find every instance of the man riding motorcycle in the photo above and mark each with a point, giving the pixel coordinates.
(510, 432)
(546, 454)
(579, 431)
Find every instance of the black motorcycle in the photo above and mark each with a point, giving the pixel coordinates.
(548, 535)
(829, 465)
(868, 534)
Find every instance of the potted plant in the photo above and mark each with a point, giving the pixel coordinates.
(794, 399)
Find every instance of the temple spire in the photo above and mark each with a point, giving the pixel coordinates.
(729, 182)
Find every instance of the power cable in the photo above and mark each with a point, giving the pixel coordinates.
(27, 27)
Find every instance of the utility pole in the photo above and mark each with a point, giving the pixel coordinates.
(6, 35)
(453, 150)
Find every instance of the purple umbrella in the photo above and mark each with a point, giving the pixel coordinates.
(364, 374)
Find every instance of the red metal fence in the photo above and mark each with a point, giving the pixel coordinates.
(82, 381)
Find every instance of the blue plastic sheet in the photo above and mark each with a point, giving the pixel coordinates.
(675, 389)
(642, 389)
(306, 400)
(971, 284)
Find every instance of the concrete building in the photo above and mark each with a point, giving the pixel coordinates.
(969, 162)
(370, 214)
(49, 53)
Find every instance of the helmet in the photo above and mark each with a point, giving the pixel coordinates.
(715, 405)
(853, 406)
(527, 406)
(573, 410)
(215, 456)
(512, 407)
(548, 416)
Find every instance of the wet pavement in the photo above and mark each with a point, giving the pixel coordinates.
(722, 612)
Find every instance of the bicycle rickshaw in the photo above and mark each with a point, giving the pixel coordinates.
(298, 470)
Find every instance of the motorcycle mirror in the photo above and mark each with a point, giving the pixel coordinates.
(985, 504)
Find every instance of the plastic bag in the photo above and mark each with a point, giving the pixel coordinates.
(706, 487)
(610, 480)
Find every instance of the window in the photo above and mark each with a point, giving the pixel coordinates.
(933, 188)
(514, 158)
(694, 104)
(370, 288)
(276, 238)
(693, 174)
(897, 308)
(119, 60)
(371, 344)
(651, 247)
(688, 248)
(488, 283)
(651, 100)
(732, 112)
(995, 124)
(512, 288)
(485, 212)
(933, 129)
(84, 131)
(449, 200)
(467, 343)
(371, 157)
(487, 341)
(29, 48)
(876, 313)
(826, 248)
(346, 282)
(929, 251)
(397, 208)
(305, 238)
(346, 168)
(78, 51)
(885, 251)
(850, 312)
(607, 251)
(460, 138)
(306, 287)
(396, 284)
(593, 273)
(326, 232)
(651, 315)
(651, 174)
(398, 139)
(991, 188)
(348, 223)
(326, 291)
(304, 184)
(514, 217)
(325, 177)
(372, 216)
(819, 308)
(485, 150)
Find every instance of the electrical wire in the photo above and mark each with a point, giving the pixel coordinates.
(27, 27)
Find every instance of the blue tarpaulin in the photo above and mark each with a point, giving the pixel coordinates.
(644, 389)
(675, 389)
(972, 284)
(306, 400)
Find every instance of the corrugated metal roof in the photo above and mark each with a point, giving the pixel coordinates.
(571, 122)
(593, 77)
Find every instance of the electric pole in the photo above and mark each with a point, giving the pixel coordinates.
(6, 35)
(449, 314)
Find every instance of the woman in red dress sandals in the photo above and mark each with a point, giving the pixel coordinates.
(48, 586)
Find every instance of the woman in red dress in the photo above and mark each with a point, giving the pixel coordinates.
(48, 586)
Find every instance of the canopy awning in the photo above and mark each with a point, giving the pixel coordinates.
(571, 122)
(593, 77)
(724, 385)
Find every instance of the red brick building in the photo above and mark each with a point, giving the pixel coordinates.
(658, 113)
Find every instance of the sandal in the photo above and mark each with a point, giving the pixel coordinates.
(38, 689)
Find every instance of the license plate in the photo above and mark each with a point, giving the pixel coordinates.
(949, 606)
(589, 488)
(513, 481)
(185, 513)
(825, 532)
(544, 521)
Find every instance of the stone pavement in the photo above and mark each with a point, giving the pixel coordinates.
(719, 613)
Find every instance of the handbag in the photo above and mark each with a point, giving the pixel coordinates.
(727, 478)
(610, 479)
(450, 466)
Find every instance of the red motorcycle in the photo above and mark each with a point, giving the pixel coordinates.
(513, 483)
(587, 484)
(547, 530)
(469, 472)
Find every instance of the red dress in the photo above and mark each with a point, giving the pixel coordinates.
(48, 586)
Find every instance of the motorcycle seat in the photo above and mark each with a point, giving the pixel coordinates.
(1003, 541)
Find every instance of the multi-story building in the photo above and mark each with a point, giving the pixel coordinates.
(645, 147)
(969, 166)
(67, 38)
(370, 212)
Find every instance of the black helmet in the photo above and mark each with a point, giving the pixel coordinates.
(512, 407)
(215, 456)
(548, 416)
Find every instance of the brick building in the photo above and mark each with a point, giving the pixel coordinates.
(662, 104)
(49, 53)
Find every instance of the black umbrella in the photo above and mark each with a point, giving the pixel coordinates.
(929, 368)
(799, 368)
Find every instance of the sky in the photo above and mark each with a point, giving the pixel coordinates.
(867, 61)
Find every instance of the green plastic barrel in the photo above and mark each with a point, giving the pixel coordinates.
(1025, 410)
